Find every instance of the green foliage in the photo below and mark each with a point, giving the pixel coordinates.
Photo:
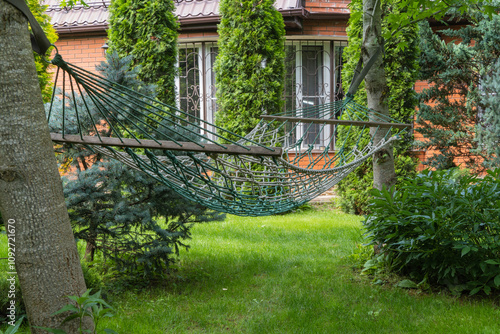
(147, 29)
(44, 78)
(71, 3)
(131, 219)
(408, 12)
(442, 226)
(91, 306)
(250, 65)
(5, 285)
(450, 108)
(488, 129)
(15, 328)
(401, 70)
(93, 279)
(118, 211)
(93, 275)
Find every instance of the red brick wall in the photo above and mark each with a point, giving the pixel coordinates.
(84, 52)
(328, 6)
(331, 28)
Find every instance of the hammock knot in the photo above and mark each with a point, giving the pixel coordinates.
(59, 62)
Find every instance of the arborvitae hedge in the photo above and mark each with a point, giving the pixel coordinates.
(250, 65)
(402, 70)
(147, 29)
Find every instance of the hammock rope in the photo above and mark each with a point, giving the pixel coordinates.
(286, 160)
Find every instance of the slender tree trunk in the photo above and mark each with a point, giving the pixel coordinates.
(376, 89)
(46, 258)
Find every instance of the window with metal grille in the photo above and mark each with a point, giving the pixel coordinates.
(313, 76)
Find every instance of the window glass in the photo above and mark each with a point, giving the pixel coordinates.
(189, 81)
(312, 77)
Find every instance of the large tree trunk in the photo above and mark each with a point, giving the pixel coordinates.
(376, 89)
(46, 258)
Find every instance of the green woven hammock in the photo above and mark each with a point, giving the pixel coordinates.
(276, 167)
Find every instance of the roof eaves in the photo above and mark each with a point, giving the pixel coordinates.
(215, 18)
(76, 29)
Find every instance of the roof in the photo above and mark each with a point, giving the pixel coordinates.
(79, 18)
(95, 16)
(210, 8)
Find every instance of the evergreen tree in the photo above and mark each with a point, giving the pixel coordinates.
(130, 218)
(452, 105)
(488, 128)
(147, 29)
(401, 68)
(250, 65)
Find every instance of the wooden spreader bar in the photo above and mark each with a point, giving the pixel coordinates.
(165, 145)
(336, 121)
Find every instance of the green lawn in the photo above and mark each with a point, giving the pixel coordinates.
(287, 274)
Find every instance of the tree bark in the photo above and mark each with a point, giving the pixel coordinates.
(46, 257)
(376, 89)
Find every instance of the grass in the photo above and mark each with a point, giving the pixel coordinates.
(287, 274)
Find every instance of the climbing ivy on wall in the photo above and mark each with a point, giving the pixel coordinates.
(250, 65)
(147, 29)
(401, 70)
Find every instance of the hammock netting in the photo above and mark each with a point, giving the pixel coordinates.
(287, 160)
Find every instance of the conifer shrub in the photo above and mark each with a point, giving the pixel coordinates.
(137, 224)
(250, 66)
(451, 109)
(147, 29)
(488, 129)
(442, 227)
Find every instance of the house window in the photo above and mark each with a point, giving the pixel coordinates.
(196, 81)
(313, 76)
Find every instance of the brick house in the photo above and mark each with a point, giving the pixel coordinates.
(315, 38)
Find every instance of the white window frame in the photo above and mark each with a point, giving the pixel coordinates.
(323, 96)
(206, 112)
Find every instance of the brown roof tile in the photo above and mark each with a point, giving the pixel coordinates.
(204, 8)
(79, 18)
(94, 17)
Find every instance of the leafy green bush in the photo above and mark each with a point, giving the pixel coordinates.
(443, 227)
(5, 285)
